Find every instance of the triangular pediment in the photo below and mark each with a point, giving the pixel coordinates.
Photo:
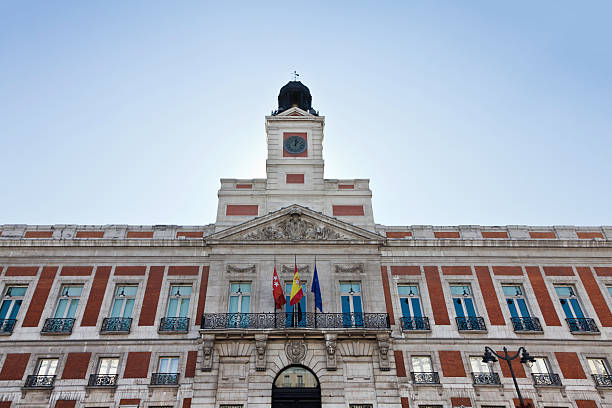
(294, 111)
(294, 223)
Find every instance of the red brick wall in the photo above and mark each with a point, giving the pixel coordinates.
(347, 210)
(597, 299)
(202, 295)
(137, 365)
(14, 366)
(90, 234)
(508, 270)
(96, 296)
(456, 270)
(447, 234)
(494, 234)
(183, 270)
(244, 186)
(39, 299)
(586, 404)
(527, 401)
(589, 235)
(38, 234)
(186, 402)
(65, 403)
(387, 292)
(21, 271)
(603, 271)
(543, 297)
(130, 270)
(452, 364)
(129, 401)
(190, 234)
(287, 135)
(151, 296)
(237, 209)
(76, 366)
(400, 367)
(542, 235)
(76, 271)
(570, 365)
(436, 295)
(140, 234)
(190, 367)
(405, 403)
(294, 179)
(518, 368)
(558, 271)
(398, 234)
(459, 401)
(405, 270)
(346, 186)
(490, 297)
(5, 404)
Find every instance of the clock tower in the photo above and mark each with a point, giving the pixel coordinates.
(294, 170)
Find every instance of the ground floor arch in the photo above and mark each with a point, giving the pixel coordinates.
(296, 386)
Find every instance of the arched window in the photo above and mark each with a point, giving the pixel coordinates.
(296, 377)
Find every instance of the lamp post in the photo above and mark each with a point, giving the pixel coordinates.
(489, 358)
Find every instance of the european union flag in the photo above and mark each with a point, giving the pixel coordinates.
(317, 290)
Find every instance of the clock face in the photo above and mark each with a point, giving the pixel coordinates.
(295, 144)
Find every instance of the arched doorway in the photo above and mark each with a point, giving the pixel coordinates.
(296, 387)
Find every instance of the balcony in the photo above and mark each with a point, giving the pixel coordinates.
(58, 326)
(39, 381)
(425, 378)
(546, 380)
(415, 323)
(174, 325)
(116, 325)
(7, 326)
(485, 379)
(471, 324)
(102, 380)
(164, 379)
(290, 320)
(602, 380)
(526, 324)
(582, 325)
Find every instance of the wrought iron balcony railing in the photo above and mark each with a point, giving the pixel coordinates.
(531, 324)
(546, 379)
(58, 326)
(582, 325)
(485, 379)
(471, 323)
(174, 325)
(415, 323)
(116, 325)
(39, 381)
(164, 379)
(602, 380)
(290, 320)
(425, 377)
(103, 380)
(7, 325)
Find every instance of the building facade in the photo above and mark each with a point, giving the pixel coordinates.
(183, 316)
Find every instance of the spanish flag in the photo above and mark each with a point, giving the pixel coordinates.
(296, 289)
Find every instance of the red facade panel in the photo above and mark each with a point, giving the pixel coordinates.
(508, 270)
(494, 234)
(518, 368)
(137, 365)
(405, 270)
(38, 234)
(76, 270)
(130, 270)
(21, 271)
(542, 235)
(603, 270)
(41, 293)
(487, 289)
(202, 295)
(447, 234)
(238, 209)
(387, 292)
(400, 367)
(96, 296)
(186, 402)
(586, 404)
(456, 270)
(461, 401)
(398, 234)
(589, 235)
(558, 271)
(452, 364)
(597, 299)
(65, 403)
(287, 135)
(14, 366)
(570, 366)
(76, 366)
(348, 210)
(140, 234)
(294, 179)
(190, 234)
(436, 295)
(183, 270)
(190, 367)
(151, 296)
(542, 296)
(90, 234)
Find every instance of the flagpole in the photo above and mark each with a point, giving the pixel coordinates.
(315, 309)
(275, 322)
(293, 319)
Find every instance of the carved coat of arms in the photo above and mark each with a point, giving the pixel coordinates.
(296, 351)
(294, 228)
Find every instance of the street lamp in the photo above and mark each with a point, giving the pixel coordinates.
(489, 358)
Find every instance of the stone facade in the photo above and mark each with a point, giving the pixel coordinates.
(178, 346)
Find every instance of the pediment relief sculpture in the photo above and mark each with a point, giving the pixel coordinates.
(241, 269)
(294, 228)
(290, 269)
(353, 268)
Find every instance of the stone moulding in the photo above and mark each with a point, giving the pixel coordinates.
(241, 269)
(355, 268)
(290, 269)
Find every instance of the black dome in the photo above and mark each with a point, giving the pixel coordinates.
(293, 94)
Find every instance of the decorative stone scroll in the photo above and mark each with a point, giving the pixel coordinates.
(355, 268)
(330, 346)
(302, 269)
(260, 348)
(296, 351)
(294, 228)
(241, 269)
(383, 351)
(208, 346)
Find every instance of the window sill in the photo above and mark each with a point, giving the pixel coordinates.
(48, 333)
(587, 333)
(473, 331)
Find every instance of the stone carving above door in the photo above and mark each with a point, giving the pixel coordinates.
(294, 228)
(296, 351)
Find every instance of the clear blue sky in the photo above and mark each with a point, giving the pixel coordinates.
(480, 112)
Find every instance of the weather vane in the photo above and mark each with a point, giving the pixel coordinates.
(295, 75)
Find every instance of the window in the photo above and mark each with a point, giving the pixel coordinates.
(108, 366)
(410, 302)
(239, 304)
(519, 310)
(168, 365)
(576, 319)
(106, 374)
(44, 375)
(9, 308)
(296, 377)
(422, 364)
(542, 373)
(178, 304)
(482, 373)
(350, 296)
(68, 302)
(479, 367)
(291, 319)
(46, 366)
(167, 372)
(360, 405)
(598, 366)
(540, 366)
(610, 290)
(465, 309)
(123, 302)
